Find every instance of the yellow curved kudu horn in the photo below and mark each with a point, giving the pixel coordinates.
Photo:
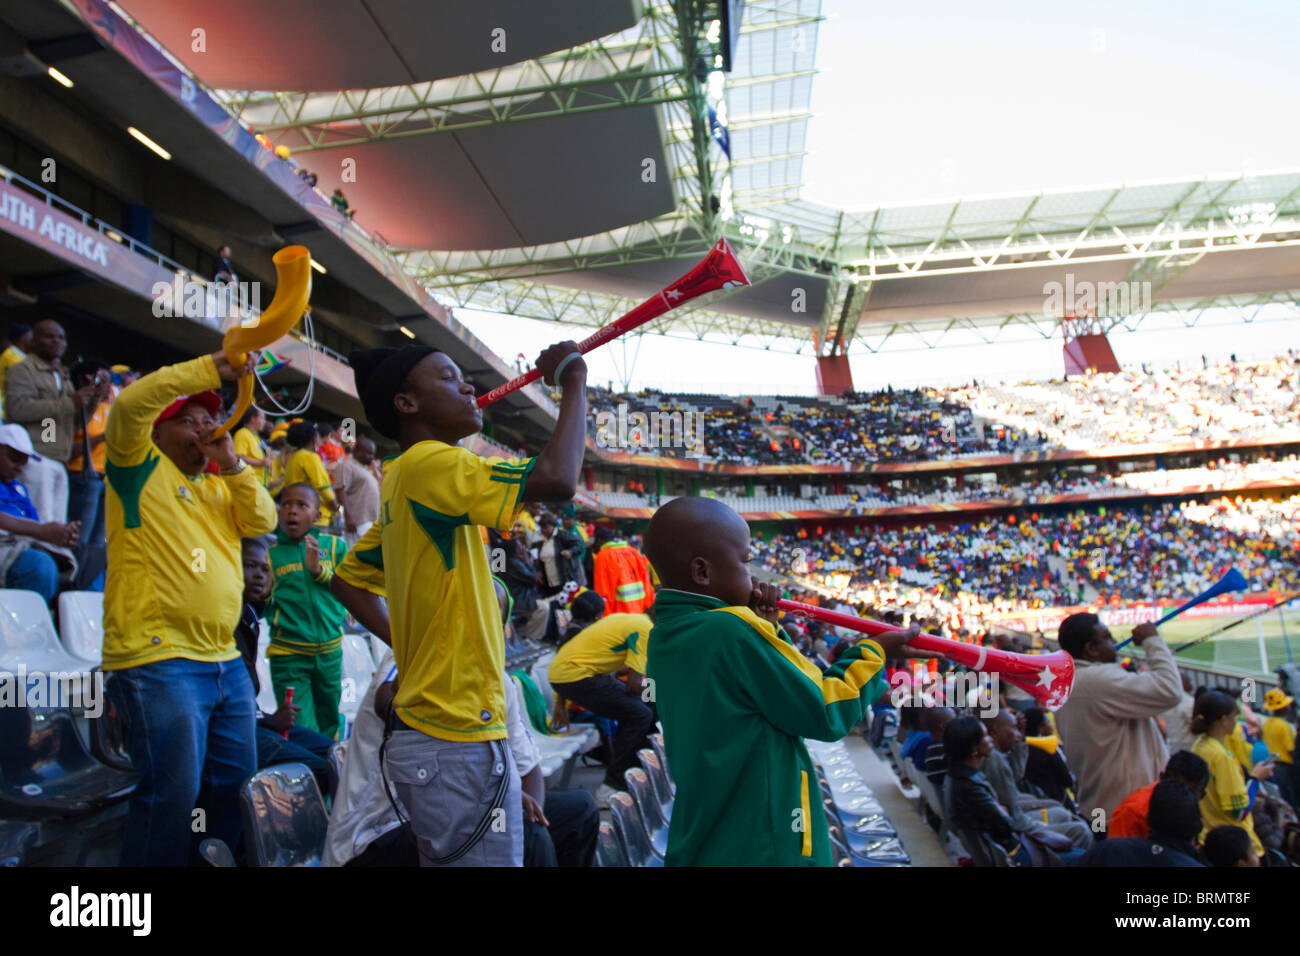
(292, 290)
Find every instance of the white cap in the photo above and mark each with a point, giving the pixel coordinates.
(16, 437)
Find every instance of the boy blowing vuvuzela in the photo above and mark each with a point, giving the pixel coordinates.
(735, 698)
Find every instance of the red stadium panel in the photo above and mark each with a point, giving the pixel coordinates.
(1091, 352)
(833, 375)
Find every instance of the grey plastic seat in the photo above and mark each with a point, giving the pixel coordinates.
(358, 668)
(896, 752)
(658, 780)
(81, 624)
(46, 771)
(885, 852)
(631, 831)
(657, 743)
(338, 754)
(284, 817)
(652, 816)
(866, 827)
(16, 838)
(108, 737)
(216, 853)
(609, 851)
(266, 701)
(29, 646)
(931, 797)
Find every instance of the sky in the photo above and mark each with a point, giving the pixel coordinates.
(950, 99)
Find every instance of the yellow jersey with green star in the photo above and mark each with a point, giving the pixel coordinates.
(426, 556)
(612, 642)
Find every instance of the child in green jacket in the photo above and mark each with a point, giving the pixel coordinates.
(306, 651)
(736, 698)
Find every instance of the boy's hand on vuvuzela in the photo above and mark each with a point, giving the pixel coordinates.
(762, 601)
(894, 643)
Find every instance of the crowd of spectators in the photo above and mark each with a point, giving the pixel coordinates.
(1228, 401)
(1173, 776)
(973, 569)
(1232, 400)
(894, 425)
(52, 505)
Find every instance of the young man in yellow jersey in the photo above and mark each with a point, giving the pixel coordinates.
(585, 671)
(172, 598)
(447, 754)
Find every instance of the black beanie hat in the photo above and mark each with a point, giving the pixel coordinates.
(380, 374)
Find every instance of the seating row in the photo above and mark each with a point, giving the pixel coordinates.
(637, 834)
(285, 819)
(861, 834)
(980, 847)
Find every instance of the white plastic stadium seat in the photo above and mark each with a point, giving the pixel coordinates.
(266, 701)
(28, 642)
(358, 669)
(538, 673)
(81, 624)
(377, 650)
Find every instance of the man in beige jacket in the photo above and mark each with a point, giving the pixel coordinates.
(1108, 726)
(39, 394)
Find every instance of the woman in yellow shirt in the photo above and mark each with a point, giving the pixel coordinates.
(1228, 800)
(306, 466)
(248, 443)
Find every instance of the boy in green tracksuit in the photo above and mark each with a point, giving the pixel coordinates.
(735, 698)
(306, 651)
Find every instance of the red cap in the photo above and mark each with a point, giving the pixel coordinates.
(209, 399)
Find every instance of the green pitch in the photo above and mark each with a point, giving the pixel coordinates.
(1238, 647)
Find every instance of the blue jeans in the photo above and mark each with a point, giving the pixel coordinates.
(191, 729)
(86, 504)
(34, 571)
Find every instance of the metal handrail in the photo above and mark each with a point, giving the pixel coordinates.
(139, 248)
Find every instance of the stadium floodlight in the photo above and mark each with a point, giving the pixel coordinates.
(148, 142)
(58, 77)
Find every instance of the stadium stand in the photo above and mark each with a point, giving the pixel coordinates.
(982, 512)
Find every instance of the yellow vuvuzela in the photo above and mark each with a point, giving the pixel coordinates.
(292, 290)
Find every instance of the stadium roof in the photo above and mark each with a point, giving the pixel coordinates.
(512, 174)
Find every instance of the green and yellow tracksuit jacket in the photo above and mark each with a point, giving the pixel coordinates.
(305, 617)
(736, 698)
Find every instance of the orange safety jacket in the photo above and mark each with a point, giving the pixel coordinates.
(622, 578)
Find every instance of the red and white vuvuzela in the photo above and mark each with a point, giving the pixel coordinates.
(720, 269)
(1048, 678)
